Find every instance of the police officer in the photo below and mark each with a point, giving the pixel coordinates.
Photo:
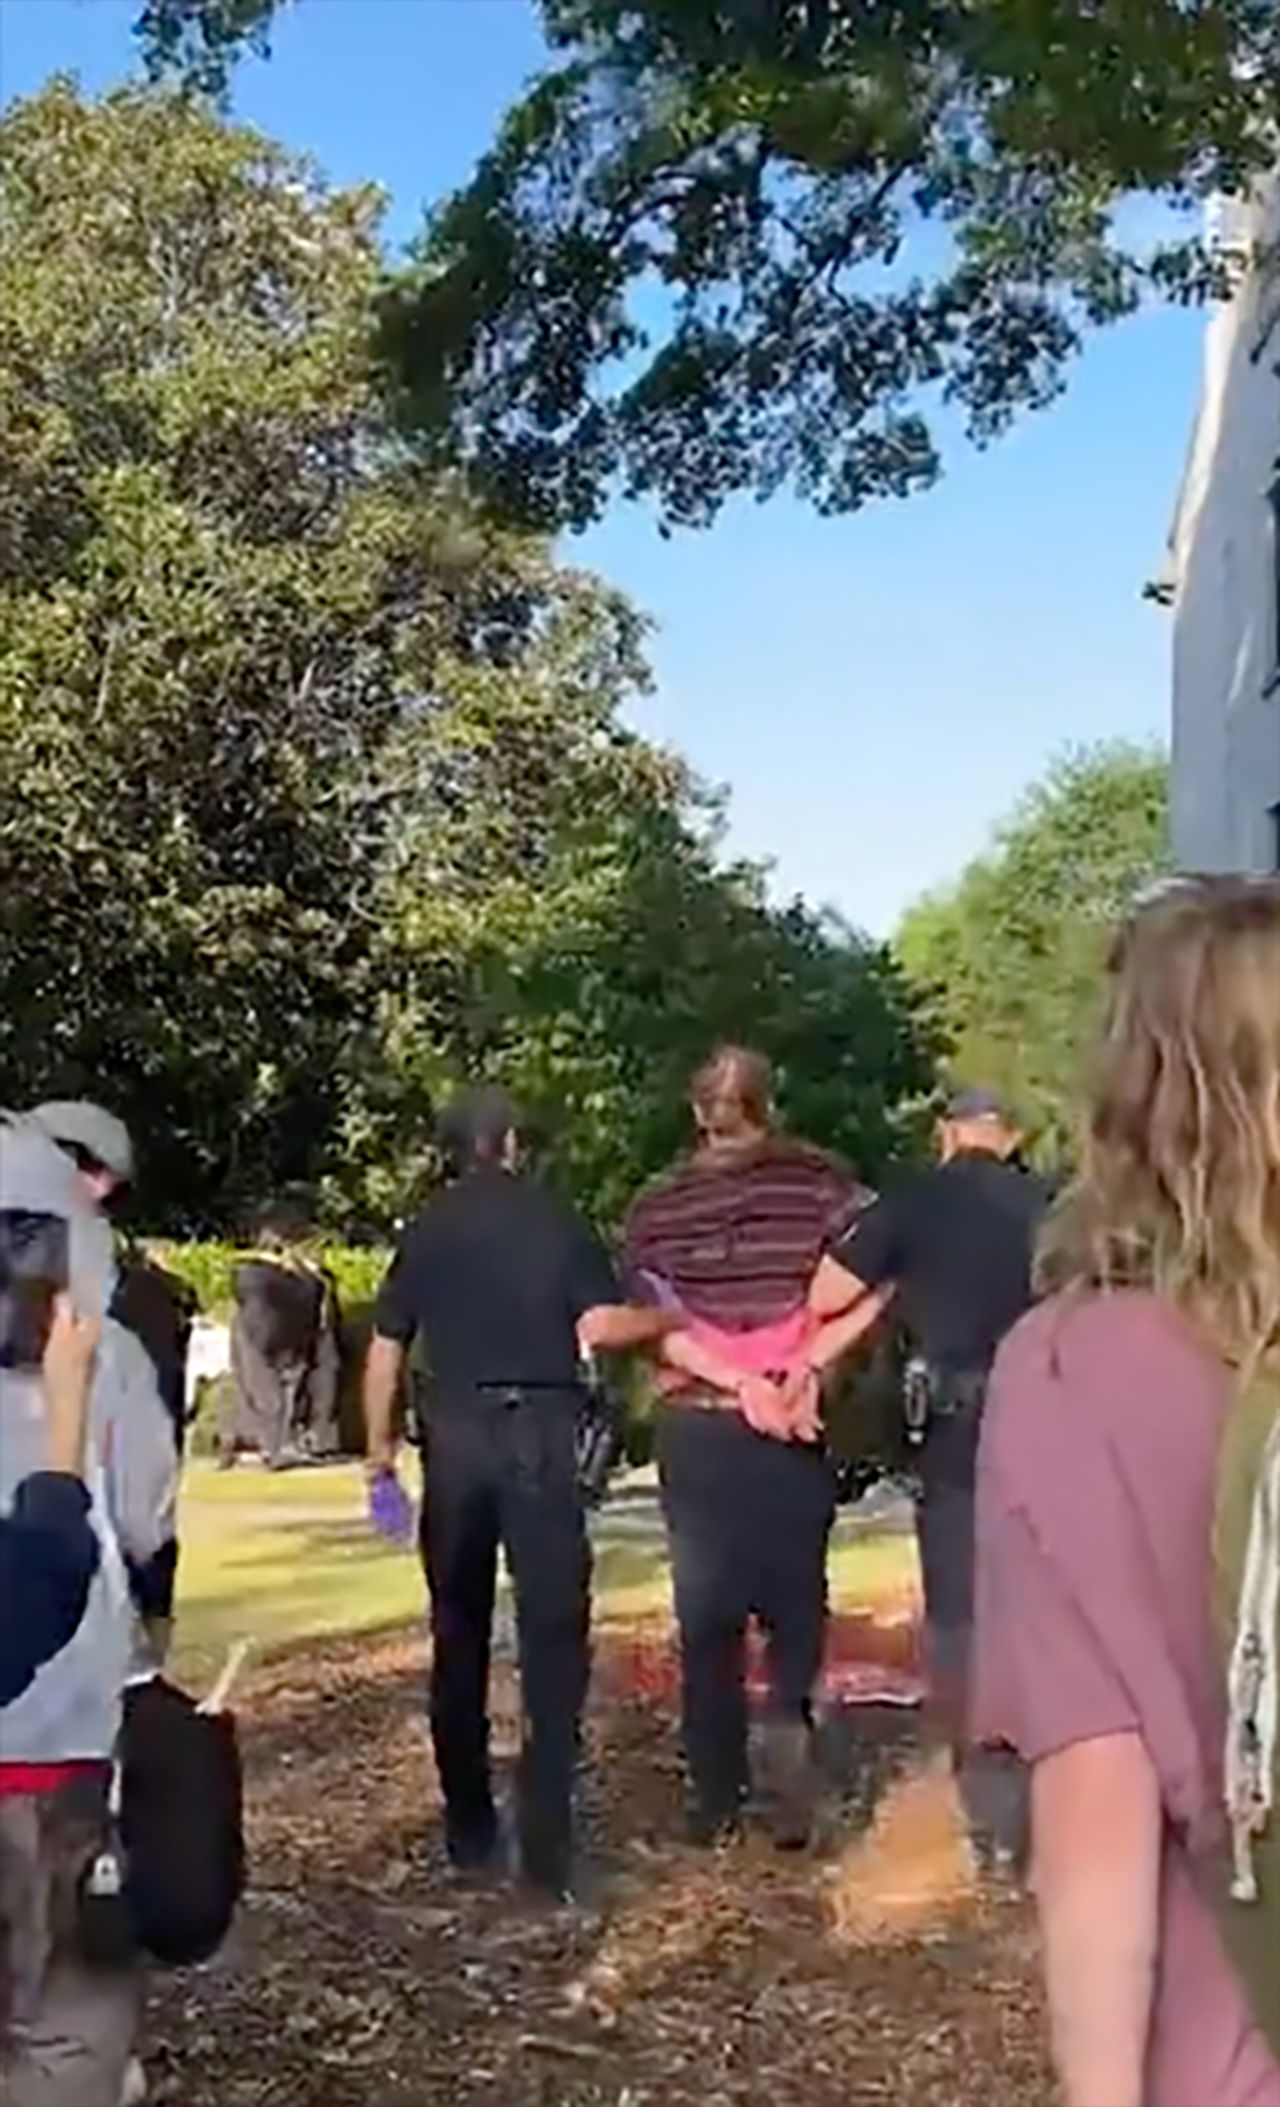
(951, 1248)
(506, 1287)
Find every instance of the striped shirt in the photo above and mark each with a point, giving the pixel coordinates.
(738, 1239)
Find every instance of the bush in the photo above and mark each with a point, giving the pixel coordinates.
(208, 1270)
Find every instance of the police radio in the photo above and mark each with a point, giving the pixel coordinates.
(598, 1436)
(917, 1400)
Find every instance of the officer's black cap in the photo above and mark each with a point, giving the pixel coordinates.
(976, 1103)
(477, 1122)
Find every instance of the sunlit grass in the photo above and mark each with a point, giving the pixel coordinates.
(282, 1559)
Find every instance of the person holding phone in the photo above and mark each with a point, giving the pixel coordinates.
(68, 2013)
(48, 1548)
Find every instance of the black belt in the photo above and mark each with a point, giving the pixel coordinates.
(506, 1397)
(515, 1388)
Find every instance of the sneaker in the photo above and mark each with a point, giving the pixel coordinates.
(134, 2092)
(288, 1458)
(708, 1831)
(546, 1864)
(548, 1887)
(475, 1854)
(998, 1862)
(791, 1781)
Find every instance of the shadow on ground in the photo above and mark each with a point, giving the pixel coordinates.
(871, 1971)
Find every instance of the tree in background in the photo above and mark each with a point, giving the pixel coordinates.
(580, 936)
(1013, 956)
(735, 245)
(315, 794)
(222, 594)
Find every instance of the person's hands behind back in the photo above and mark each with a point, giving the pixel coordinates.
(764, 1407)
(802, 1403)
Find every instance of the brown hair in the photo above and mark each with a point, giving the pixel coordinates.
(1179, 1184)
(732, 1098)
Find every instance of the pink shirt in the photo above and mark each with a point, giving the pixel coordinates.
(767, 1349)
(1095, 1505)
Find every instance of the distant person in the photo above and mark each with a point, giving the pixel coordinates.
(730, 1239)
(284, 1353)
(507, 1289)
(1129, 1529)
(949, 1250)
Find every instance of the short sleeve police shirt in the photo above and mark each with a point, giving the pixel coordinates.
(956, 1242)
(493, 1279)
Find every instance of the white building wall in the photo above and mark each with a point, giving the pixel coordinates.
(1226, 580)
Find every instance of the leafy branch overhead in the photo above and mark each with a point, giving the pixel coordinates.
(199, 41)
(737, 245)
(315, 789)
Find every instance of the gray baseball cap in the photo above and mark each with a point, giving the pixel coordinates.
(976, 1102)
(79, 1124)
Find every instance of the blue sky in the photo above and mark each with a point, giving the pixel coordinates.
(875, 692)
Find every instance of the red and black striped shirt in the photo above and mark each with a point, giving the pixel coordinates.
(738, 1239)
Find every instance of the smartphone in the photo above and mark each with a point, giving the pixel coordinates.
(34, 1271)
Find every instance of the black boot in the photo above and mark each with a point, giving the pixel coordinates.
(473, 1846)
(791, 1781)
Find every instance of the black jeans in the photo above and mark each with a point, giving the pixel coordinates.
(749, 1520)
(992, 1782)
(504, 1474)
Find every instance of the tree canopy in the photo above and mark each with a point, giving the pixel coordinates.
(316, 794)
(1014, 954)
(736, 245)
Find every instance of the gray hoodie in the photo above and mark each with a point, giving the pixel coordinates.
(71, 1711)
(37, 1175)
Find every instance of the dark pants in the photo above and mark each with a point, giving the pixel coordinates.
(498, 1474)
(749, 1520)
(992, 1783)
(66, 2025)
(265, 1396)
(284, 1405)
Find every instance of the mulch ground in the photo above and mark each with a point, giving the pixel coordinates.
(872, 1969)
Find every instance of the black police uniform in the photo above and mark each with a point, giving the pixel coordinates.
(494, 1277)
(956, 1241)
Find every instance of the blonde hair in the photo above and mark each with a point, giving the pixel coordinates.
(1179, 1184)
(732, 1098)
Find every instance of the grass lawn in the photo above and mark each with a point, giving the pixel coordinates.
(873, 1969)
(280, 1559)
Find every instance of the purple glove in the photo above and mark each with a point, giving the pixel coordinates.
(390, 1508)
(658, 1292)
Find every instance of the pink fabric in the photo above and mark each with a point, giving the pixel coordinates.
(767, 1349)
(1094, 1617)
